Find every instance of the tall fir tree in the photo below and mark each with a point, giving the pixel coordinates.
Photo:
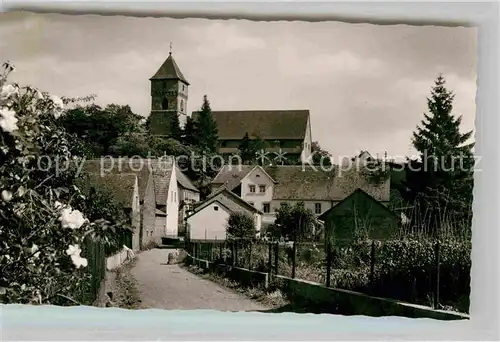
(206, 128)
(442, 185)
(189, 132)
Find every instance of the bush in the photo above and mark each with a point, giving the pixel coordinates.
(43, 217)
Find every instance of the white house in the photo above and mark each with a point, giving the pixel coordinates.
(208, 220)
(167, 200)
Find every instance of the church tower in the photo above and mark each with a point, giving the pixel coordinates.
(169, 95)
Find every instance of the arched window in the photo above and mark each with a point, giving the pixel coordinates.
(164, 104)
(182, 106)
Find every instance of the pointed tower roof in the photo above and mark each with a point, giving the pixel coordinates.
(169, 71)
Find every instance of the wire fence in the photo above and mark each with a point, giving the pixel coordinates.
(417, 270)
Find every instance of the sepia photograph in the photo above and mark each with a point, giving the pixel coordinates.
(236, 165)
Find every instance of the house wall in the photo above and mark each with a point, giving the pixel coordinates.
(360, 212)
(136, 217)
(149, 207)
(257, 177)
(209, 223)
(160, 227)
(172, 228)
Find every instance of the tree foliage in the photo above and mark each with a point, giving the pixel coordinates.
(295, 222)
(241, 226)
(206, 128)
(97, 128)
(440, 183)
(319, 156)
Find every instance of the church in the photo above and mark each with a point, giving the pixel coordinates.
(285, 132)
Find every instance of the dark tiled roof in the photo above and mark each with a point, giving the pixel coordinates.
(229, 200)
(350, 179)
(120, 185)
(161, 181)
(268, 124)
(334, 208)
(231, 175)
(184, 181)
(297, 182)
(123, 166)
(139, 167)
(169, 70)
(307, 182)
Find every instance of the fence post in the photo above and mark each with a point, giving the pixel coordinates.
(328, 262)
(270, 257)
(276, 258)
(294, 257)
(250, 255)
(437, 261)
(372, 263)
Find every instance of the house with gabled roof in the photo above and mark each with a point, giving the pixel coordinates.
(360, 212)
(208, 219)
(269, 187)
(159, 184)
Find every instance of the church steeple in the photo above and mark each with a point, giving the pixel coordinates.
(169, 70)
(169, 95)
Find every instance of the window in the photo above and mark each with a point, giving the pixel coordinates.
(182, 106)
(251, 188)
(317, 208)
(223, 143)
(216, 208)
(267, 208)
(164, 104)
(262, 188)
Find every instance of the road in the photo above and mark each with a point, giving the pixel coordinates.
(165, 286)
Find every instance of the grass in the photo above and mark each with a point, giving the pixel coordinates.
(125, 292)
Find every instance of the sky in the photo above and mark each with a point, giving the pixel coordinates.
(365, 85)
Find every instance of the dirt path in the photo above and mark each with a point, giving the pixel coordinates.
(165, 286)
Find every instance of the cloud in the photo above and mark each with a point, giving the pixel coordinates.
(365, 85)
(221, 38)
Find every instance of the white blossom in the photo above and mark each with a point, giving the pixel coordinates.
(74, 252)
(72, 219)
(8, 120)
(7, 91)
(6, 195)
